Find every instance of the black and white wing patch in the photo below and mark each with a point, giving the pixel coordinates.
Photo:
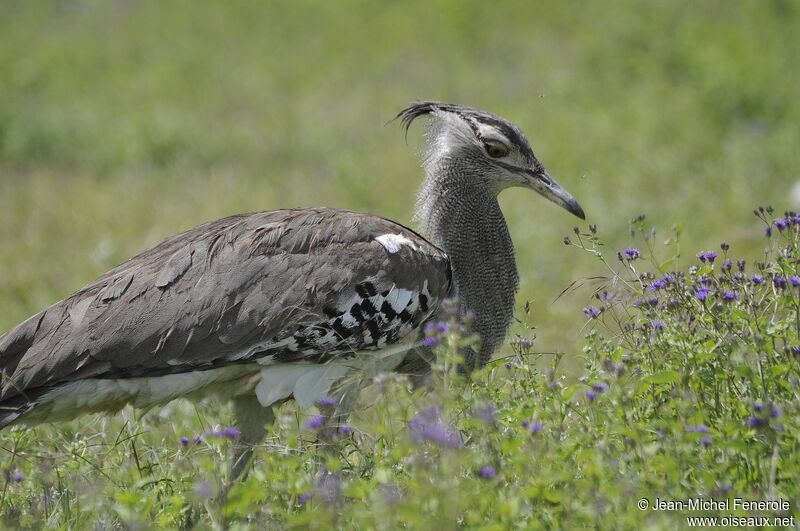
(367, 320)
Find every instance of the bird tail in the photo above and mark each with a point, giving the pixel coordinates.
(13, 409)
(13, 347)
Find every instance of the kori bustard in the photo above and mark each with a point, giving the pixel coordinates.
(284, 304)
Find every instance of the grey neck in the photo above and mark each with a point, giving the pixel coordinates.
(460, 215)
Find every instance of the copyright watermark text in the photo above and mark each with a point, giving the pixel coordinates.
(733, 504)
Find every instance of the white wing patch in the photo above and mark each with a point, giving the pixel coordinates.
(393, 242)
(399, 298)
(307, 383)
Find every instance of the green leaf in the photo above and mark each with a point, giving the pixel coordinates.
(666, 264)
(663, 377)
(569, 391)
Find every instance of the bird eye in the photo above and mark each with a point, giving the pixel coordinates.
(495, 149)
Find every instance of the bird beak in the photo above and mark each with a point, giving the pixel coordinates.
(541, 182)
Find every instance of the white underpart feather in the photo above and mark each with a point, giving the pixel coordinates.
(308, 382)
(92, 393)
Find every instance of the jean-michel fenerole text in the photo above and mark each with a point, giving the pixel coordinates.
(710, 504)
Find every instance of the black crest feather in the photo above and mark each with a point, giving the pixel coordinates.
(422, 108)
(470, 114)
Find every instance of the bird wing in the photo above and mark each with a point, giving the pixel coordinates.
(284, 285)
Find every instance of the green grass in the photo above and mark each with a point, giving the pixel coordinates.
(124, 122)
(686, 397)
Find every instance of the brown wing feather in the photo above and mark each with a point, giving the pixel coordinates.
(204, 297)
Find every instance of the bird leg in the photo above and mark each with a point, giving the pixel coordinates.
(346, 397)
(251, 418)
(417, 365)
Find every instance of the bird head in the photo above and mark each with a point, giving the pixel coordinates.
(483, 149)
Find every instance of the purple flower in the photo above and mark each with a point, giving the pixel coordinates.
(184, 440)
(442, 435)
(741, 265)
(429, 341)
(702, 293)
(774, 412)
(441, 327)
(525, 342)
(756, 422)
(653, 301)
(757, 280)
(486, 414)
(17, 477)
(508, 365)
(303, 498)
(230, 432)
(316, 422)
(632, 253)
(487, 472)
(326, 401)
(706, 441)
(533, 426)
(428, 426)
(707, 256)
(781, 224)
(600, 387)
(779, 282)
(657, 325)
(657, 285)
(795, 280)
(591, 395)
(345, 430)
(592, 312)
(730, 296)
(198, 439)
(727, 264)
(700, 428)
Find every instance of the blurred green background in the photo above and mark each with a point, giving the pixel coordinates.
(123, 122)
